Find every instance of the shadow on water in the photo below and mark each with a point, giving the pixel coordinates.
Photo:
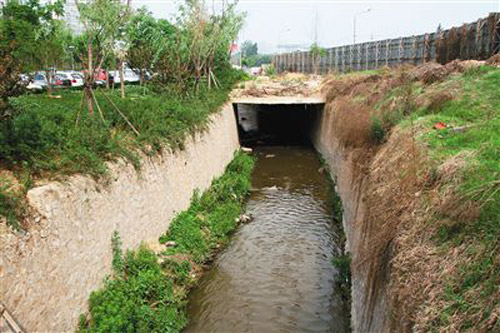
(277, 274)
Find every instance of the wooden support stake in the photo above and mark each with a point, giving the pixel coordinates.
(120, 113)
(9, 319)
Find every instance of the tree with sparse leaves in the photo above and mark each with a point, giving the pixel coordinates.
(248, 48)
(317, 52)
(101, 20)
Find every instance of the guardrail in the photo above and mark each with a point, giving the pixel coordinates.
(478, 40)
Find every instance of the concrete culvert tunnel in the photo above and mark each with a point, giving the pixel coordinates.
(276, 124)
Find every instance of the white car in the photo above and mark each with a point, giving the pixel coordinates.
(35, 87)
(129, 76)
(76, 78)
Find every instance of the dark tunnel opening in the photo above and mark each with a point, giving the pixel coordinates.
(275, 124)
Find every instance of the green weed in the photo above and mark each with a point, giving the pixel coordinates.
(147, 292)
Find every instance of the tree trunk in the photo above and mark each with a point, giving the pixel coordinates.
(122, 81)
(107, 78)
(89, 78)
(88, 98)
(49, 82)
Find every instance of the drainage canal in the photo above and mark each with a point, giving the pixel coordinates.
(277, 274)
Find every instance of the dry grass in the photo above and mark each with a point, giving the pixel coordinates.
(351, 123)
(288, 84)
(341, 86)
(494, 60)
(429, 73)
(415, 206)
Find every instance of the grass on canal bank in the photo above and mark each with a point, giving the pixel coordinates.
(426, 142)
(47, 138)
(147, 291)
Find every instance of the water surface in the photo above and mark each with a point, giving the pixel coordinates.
(276, 275)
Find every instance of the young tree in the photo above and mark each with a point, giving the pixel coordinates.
(210, 36)
(146, 41)
(26, 30)
(49, 37)
(101, 20)
(316, 52)
(249, 49)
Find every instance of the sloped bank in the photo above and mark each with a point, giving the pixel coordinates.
(415, 155)
(48, 273)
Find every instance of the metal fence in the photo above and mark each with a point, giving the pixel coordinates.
(478, 40)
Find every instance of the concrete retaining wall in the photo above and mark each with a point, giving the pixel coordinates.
(47, 274)
(368, 309)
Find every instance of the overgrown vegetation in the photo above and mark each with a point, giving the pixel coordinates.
(51, 138)
(426, 141)
(81, 131)
(147, 290)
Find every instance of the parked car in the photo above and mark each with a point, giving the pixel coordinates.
(76, 78)
(40, 80)
(59, 80)
(62, 80)
(27, 82)
(129, 77)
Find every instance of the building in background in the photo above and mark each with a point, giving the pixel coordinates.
(72, 17)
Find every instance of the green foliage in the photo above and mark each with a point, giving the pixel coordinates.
(271, 70)
(43, 136)
(11, 205)
(199, 47)
(470, 292)
(24, 38)
(343, 265)
(377, 132)
(248, 48)
(212, 216)
(116, 248)
(147, 39)
(149, 294)
(257, 60)
(141, 299)
(317, 51)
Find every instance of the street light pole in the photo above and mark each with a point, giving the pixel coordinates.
(279, 38)
(367, 10)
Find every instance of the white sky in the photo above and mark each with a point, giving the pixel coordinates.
(273, 22)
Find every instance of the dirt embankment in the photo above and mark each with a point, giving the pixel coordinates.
(287, 84)
(415, 265)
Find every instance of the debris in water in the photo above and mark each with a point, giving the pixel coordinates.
(270, 156)
(272, 188)
(246, 149)
(245, 218)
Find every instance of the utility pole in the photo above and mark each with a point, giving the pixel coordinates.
(367, 10)
(316, 19)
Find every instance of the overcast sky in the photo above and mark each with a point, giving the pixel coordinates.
(273, 22)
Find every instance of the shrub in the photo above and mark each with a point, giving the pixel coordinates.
(378, 133)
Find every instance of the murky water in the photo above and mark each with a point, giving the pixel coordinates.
(276, 275)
